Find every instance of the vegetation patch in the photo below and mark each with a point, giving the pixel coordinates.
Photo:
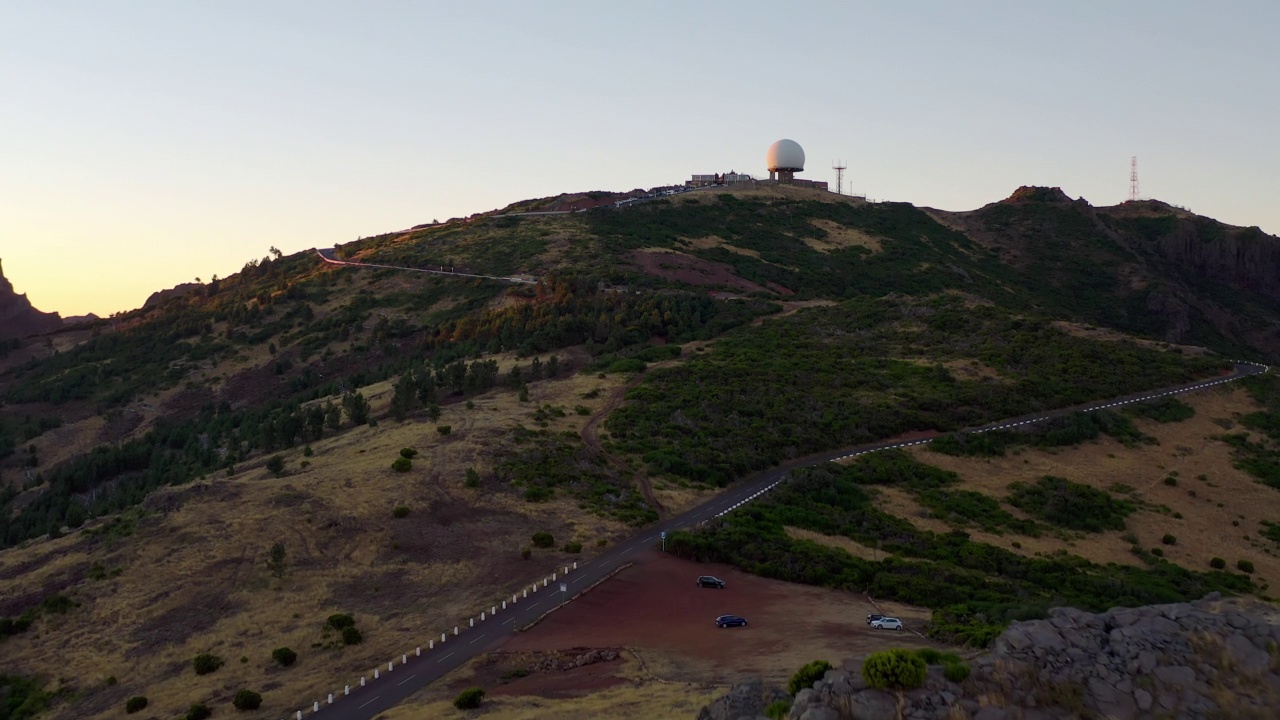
(1070, 505)
(749, 403)
(1164, 410)
(1062, 431)
(541, 462)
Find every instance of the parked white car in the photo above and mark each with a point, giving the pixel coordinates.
(887, 623)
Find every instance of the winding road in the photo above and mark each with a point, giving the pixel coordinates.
(416, 672)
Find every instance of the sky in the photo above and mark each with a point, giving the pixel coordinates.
(145, 144)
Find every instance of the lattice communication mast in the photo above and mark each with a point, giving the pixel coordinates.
(1133, 178)
(839, 167)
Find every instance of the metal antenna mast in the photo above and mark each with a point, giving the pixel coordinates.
(839, 167)
(1133, 178)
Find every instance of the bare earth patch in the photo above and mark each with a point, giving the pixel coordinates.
(840, 237)
(690, 270)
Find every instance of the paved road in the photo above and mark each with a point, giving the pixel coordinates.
(328, 255)
(404, 680)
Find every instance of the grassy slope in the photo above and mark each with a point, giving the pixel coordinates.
(192, 573)
(360, 326)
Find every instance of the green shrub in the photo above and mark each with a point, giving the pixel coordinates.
(806, 676)
(284, 656)
(473, 478)
(1074, 506)
(444, 429)
(401, 511)
(930, 656)
(247, 700)
(340, 621)
(1218, 563)
(778, 709)
(135, 703)
(1171, 481)
(1245, 566)
(1169, 539)
(351, 636)
(543, 539)
(526, 553)
(402, 465)
(582, 409)
(469, 699)
(198, 711)
(275, 464)
(1157, 552)
(409, 453)
(573, 547)
(626, 365)
(956, 672)
(894, 670)
(206, 663)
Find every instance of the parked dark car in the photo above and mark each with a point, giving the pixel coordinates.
(873, 617)
(710, 581)
(725, 621)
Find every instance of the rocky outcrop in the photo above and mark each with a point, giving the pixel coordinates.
(177, 291)
(745, 701)
(1207, 659)
(17, 317)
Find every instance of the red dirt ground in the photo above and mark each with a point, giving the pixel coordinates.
(692, 270)
(656, 607)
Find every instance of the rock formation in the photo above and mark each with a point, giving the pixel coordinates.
(17, 317)
(1208, 659)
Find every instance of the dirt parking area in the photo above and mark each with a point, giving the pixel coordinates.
(656, 607)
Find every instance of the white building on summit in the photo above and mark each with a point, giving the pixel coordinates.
(784, 159)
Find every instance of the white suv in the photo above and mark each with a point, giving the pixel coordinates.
(887, 623)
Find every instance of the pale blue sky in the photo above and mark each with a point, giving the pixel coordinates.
(143, 144)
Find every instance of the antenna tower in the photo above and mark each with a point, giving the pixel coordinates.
(839, 167)
(1133, 178)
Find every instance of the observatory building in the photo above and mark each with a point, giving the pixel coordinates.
(784, 159)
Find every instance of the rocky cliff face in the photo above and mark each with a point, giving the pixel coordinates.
(18, 318)
(1207, 659)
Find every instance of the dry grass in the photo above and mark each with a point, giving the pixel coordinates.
(1187, 448)
(193, 577)
(839, 237)
(641, 695)
(1096, 333)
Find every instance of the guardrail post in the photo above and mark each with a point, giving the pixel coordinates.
(419, 651)
(545, 582)
(361, 681)
(346, 690)
(299, 717)
(390, 665)
(575, 564)
(330, 698)
(375, 673)
(535, 587)
(404, 659)
(504, 604)
(553, 577)
(494, 610)
(472, 621)
(566, 569)
(526, 591)
(455, 631)
(315, 706)
(431, 644)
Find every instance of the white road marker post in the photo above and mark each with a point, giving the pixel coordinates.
(346, 690)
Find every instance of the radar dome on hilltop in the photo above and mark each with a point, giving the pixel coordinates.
(785, 155)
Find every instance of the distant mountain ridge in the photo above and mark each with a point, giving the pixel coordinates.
(18, 318)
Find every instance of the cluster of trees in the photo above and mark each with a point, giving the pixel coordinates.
(975, 588)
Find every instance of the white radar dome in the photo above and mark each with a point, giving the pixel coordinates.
(785, 155)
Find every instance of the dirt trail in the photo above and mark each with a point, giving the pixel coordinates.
(591, 436)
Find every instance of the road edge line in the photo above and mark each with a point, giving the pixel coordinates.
(575, 596)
